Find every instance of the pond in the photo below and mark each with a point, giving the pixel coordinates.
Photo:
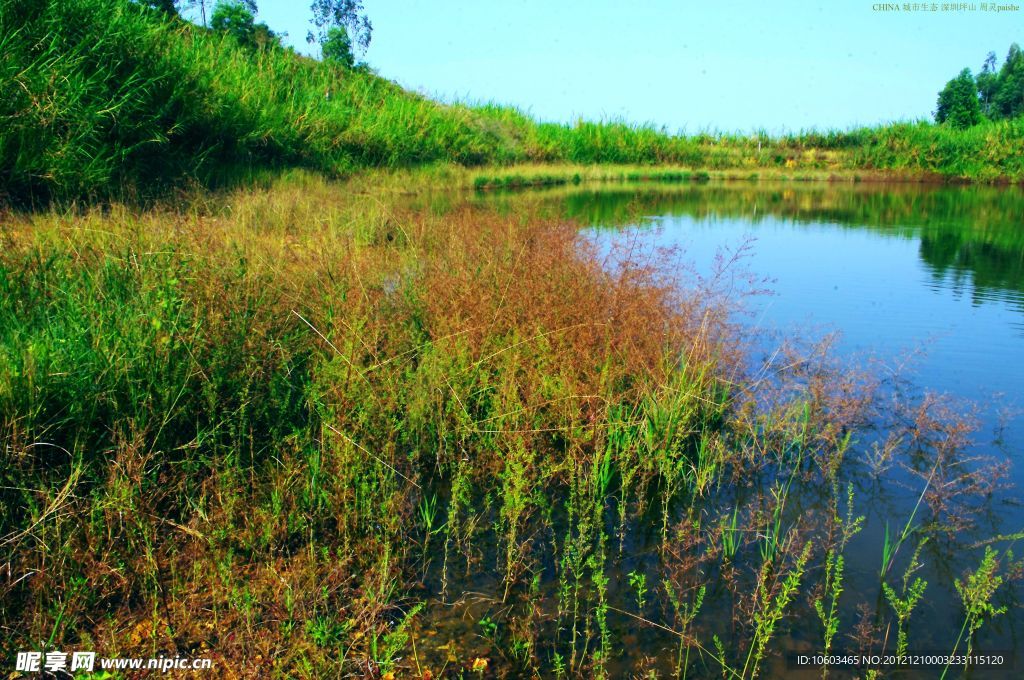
(923, 287)
(929, 280)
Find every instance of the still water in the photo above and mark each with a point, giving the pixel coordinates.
(938, 272)
(926, 282)
(923, 285)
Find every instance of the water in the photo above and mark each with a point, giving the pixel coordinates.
(925, 278)
(930, 280)
(888, 287)
(921, 282)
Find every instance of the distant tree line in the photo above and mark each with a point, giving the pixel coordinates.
(994, 94)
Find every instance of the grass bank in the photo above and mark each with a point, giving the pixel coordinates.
(108, 99)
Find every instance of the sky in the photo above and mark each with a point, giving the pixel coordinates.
(690, 66)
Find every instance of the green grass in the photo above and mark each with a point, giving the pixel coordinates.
(109, 99)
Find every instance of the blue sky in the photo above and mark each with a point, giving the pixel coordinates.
(728, 65)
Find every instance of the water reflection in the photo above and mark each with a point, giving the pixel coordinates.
(969, 238)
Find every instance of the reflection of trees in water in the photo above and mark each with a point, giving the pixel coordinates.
(991, 268)
(972, 236)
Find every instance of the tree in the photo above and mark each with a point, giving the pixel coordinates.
(988, 85)
(264, 38)
(997, 94)
(249, 4)
(958, 102)
(337, 47)
(164, 5)
(167, 6)
(346, 14)
(234, 18)
(1009, 98)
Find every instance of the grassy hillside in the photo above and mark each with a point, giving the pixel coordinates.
(111, 96)
(107, 98)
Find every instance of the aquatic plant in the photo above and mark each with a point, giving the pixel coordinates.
(976, 592)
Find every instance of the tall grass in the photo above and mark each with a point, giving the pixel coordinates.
(109, 96)
(106, 98)
(186, 400)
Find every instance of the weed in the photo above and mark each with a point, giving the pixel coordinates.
(770, 609)
(638, 582)
(976, 593)
(903, 604)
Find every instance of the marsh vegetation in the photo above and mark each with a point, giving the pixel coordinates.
(311, 429)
